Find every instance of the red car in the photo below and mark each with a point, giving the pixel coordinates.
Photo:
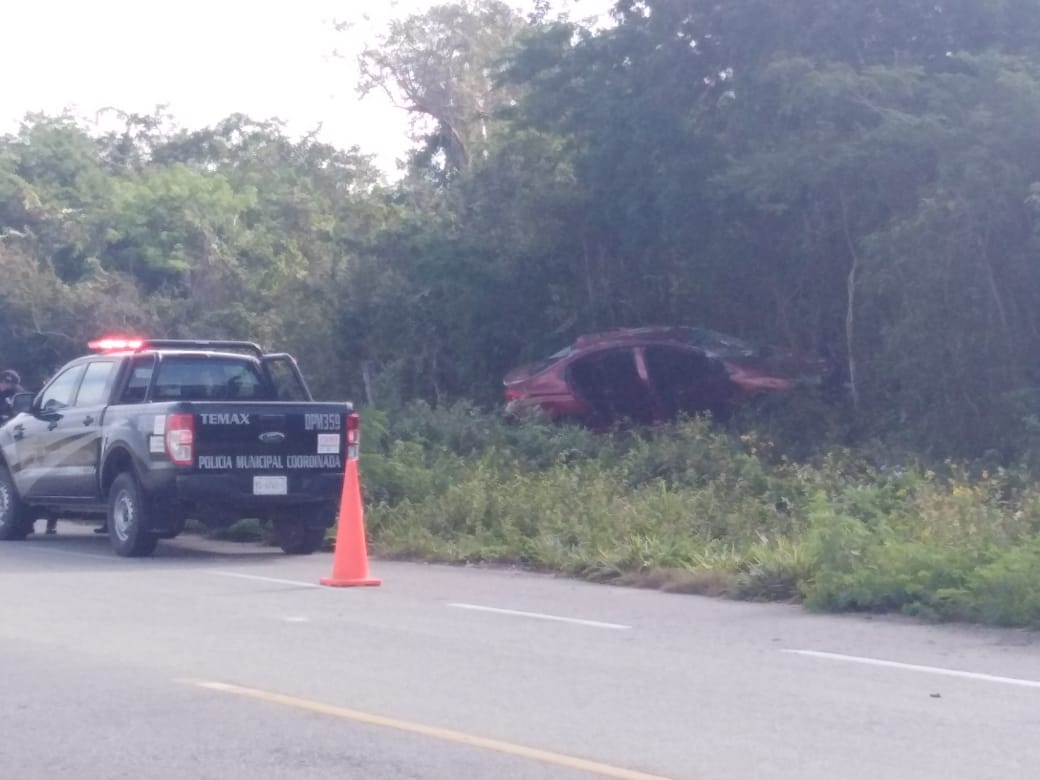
(652, 374)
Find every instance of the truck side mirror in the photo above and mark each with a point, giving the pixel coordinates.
(21, 403)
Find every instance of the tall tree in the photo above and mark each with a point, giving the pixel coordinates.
(440, 66)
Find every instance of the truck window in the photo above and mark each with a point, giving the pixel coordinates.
(58, 394)
(210, 379)
(285, 379)
(136, 389)
(93, 390)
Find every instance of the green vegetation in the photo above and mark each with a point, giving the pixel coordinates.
(854, 179)
(697, 509)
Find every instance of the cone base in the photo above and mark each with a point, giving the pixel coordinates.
(335, 583)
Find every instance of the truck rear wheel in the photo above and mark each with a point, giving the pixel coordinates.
(15, 523)
(296, 537)
(127, 519)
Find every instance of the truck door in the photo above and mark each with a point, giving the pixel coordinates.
(79, 434)
(37, 439)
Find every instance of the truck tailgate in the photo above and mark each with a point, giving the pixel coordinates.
(269, 436)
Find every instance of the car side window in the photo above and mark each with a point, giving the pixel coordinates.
(61, 390)
(93, 390)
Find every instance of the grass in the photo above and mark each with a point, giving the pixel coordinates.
(695, 509)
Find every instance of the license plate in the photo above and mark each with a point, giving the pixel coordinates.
(270, 486)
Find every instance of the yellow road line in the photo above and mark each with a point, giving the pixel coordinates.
(445, 735)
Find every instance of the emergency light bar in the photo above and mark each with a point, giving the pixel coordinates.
(120, 343)
(111, 344)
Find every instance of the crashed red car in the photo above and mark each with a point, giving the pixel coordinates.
(652, 374)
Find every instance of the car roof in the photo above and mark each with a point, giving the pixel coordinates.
(710, 342)
(623, 335)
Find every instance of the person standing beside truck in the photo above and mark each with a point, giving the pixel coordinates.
(10, 385)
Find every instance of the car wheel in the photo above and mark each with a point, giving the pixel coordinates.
(15, 523)
(127, 519)
(296, 537)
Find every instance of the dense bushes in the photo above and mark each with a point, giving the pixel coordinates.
(699, 509)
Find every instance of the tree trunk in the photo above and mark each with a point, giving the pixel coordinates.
(850, 307)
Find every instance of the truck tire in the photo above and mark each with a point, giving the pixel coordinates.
(15, 523)
(127, 519)
(296, 537)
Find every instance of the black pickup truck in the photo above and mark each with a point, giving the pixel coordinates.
(142, 435)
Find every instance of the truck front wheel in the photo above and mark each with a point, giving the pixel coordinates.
(15, 524)
(127, 529)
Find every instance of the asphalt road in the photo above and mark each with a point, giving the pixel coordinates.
(229, 661)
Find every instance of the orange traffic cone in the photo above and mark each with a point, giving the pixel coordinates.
(350, 559)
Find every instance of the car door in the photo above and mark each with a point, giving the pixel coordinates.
(688, 381)
(611, 383)
(39, 432)
(78, 439)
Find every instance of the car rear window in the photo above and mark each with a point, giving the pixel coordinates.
(540, 365)
(720, 343)
(210, 379)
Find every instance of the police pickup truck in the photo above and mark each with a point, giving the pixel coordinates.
(142, 435)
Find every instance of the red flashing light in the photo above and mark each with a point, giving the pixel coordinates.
(112, 344)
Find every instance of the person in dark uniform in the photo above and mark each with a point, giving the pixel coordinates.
(10, 384)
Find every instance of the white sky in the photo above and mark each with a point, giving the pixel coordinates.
(208, 59)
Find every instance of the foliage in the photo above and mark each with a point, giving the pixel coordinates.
(856, 180)
(233, 231)
(439, 66)
(698, 509)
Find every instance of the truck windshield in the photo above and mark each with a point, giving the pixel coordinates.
(198, 378)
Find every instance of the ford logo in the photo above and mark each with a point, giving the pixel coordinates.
(272, 437)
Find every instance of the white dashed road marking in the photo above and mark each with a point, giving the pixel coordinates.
(540, 616)
(856, 659)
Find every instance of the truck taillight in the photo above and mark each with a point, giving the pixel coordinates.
(353, 434)
(514, 394)
(180, 438)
